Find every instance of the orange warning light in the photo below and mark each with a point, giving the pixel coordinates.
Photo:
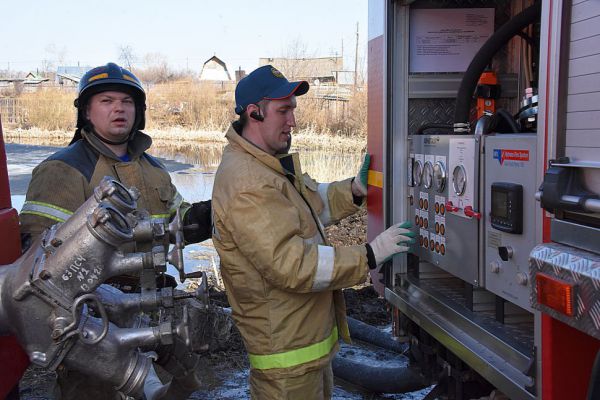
(556, 293)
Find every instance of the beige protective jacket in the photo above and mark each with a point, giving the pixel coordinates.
(283, 281)
(64, 181)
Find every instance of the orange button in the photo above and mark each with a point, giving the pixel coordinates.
(421, 204)
(442, 229)
(416, 220)
(437, 247)
(437, 227)
(431, 244)
(437, 207)
(442, 209)
(442, 249)
(426, 204)
(421, 222)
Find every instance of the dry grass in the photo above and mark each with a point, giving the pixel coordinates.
(192, 111)
(337, 118)
(50, 110)
(190, 105)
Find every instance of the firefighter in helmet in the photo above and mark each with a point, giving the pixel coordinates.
(108, 141)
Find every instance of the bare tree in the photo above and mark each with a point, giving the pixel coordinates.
(126, 56)
(294, 63)
(58, 56)
(156, 69)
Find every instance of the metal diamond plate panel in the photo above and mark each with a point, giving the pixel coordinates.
(574, 266)
(421, 111)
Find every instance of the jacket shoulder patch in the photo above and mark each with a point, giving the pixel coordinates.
(153, 161)
(80, 156)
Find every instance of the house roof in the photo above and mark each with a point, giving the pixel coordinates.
(70, 77)
(214, 69)
(306, 68)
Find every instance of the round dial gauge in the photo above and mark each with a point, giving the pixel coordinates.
(417, 172)
(439, 176)
(459, 180)
(427, 174)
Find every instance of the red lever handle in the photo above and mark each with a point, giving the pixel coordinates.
(469, 212)
(450, 207)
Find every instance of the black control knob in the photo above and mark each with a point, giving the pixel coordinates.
(505, 252)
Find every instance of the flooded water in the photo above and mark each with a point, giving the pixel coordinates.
(192, 168)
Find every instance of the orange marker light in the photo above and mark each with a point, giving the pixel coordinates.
(555, 293)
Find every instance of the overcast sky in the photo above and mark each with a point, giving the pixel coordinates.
(35, 33)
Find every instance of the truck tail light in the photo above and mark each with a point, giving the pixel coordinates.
(555, 293)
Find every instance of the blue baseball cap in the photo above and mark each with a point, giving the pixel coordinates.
(268, 83)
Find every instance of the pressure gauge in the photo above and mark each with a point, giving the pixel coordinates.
(427, 174)
(459, 179)
(439, 176)
(417, 172)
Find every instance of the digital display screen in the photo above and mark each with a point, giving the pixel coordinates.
(499, 204)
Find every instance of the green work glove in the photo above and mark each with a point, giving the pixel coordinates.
(396, 239)
(359, 184)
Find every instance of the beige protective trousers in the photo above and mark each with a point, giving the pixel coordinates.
(314, 385)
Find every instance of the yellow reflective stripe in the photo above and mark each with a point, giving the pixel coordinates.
(375, 178)
(129, 78)
(39, 214)
(295, 357)
(46, 210)
(99, 76)
(160, 216)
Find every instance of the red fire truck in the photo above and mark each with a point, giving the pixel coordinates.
(15, 359)
(484, 130)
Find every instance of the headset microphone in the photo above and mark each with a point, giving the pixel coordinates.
(257, 116)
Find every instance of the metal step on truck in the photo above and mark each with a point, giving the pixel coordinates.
(484, 131)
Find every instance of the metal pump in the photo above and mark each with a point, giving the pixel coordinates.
(54, 301)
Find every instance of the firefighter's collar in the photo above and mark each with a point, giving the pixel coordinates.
(136, 147)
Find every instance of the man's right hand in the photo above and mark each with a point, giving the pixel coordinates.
(396, 239)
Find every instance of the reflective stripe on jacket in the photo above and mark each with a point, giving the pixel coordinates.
(282, 278)
(65, 180)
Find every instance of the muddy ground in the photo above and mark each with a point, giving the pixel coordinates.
(225, 370)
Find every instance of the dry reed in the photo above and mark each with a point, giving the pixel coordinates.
(197, 112)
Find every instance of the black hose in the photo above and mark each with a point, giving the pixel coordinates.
(483, 57)
(426, 126)
(508, 118)
(370, 334)
(378, 380)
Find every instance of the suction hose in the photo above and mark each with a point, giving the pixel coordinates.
(483, 58)
(377, 379)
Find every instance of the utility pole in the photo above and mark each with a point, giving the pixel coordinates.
(356, 60)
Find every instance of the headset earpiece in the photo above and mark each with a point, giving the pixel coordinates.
(256, 116)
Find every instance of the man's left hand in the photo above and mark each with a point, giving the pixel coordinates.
(197, 222)
(359, 183)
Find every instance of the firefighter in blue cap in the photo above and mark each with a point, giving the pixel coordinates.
(108, 141)
(283, 279)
